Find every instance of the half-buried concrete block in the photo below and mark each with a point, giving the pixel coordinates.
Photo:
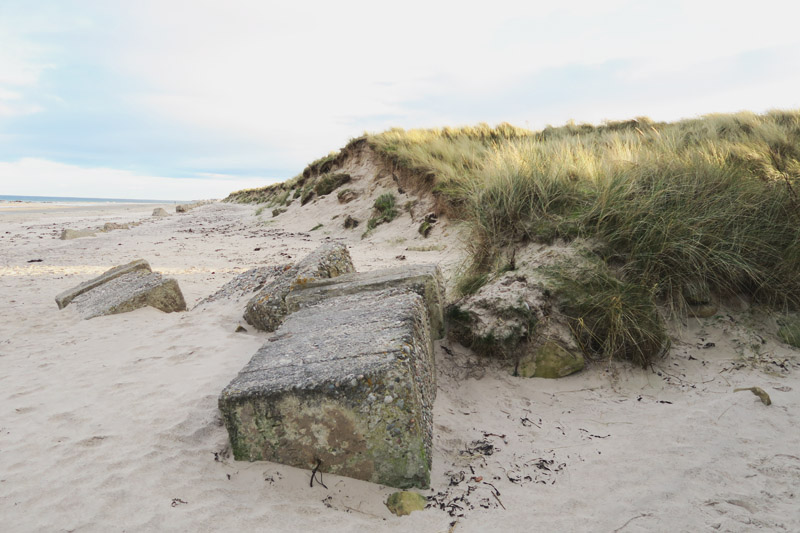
(129, 292)
(63, 299)
(267, 309)
(425, 280)
(69, 234)
(346, 386)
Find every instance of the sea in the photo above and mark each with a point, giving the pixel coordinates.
(60, 200)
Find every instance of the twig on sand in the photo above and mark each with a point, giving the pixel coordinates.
(623, 526)
(498, 500)
(314, 475)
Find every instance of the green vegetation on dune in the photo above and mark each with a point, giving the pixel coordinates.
(709, 202)
(712, 199)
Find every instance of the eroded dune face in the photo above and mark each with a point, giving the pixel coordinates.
(113, 423)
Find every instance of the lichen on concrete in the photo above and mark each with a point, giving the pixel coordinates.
(346, 385)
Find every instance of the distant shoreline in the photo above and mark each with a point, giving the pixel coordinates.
(9, 199)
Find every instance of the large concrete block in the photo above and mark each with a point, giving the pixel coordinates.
(346, 385)
(267, 309)
(129, 292)
(425, 280)
(63, 299)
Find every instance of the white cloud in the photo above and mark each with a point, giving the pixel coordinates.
(40, 177)
(300, 78)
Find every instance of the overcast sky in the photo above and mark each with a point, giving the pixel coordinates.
(169, 99)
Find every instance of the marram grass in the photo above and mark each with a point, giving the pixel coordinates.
(713, 200)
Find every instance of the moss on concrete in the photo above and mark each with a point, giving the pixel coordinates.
(550, 360)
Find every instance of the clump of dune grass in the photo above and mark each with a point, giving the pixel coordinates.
(329, 182)
(611, 318)
(385, 210)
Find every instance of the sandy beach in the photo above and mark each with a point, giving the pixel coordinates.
(112, 424)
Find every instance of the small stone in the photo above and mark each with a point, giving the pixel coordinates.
(240, 329)
(405, 502)
(702, 310)
(388, 399)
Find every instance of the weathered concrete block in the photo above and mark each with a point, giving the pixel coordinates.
(63, 299)
(425, 280)
(347, 385)
(267, 309)
(129, 292)
(68, 234)
(182, 208)
(160, 212)
(111, 226)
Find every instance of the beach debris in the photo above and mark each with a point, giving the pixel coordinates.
(129, 292)
(346, 386)
(35, 260)
(758, 391)
(160, 212)
(240, 329)
(64, 298)
(405, 502)
(177, 501)
(68, 234)
(266, 310)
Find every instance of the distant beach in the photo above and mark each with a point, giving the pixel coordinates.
(65, 200)
(17, 204)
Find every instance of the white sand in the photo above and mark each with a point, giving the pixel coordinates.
(111, 424)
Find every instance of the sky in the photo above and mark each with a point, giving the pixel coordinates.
(190, 99)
